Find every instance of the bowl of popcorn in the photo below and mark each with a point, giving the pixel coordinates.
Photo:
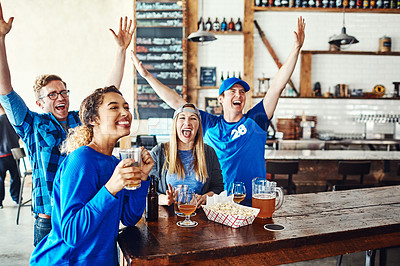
(221, 209)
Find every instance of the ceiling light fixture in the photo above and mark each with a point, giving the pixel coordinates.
(343, 38)
(201, 35)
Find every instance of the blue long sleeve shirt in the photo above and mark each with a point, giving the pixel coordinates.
(86, 216)
(42, 135)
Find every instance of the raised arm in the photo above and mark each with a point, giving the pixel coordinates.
(285, 72)
(123, 39)
(171, 97)
(5, 78)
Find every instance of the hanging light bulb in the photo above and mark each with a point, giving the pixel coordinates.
(201, 35)
(343, 38)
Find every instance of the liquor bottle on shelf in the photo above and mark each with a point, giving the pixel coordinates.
(231, 25)
(264, 3)
(277, 3)
(372, 4)
(216, 25)
(318, 3)
(311, 3)
(234, 75)
(257, 2)
(224, 25)
(339, 3)
(227, 74)
(238, 25)
(325, 3)
(222, 78)
(365, 3)
(359, 3)
(270, 2)
(284, 3)
(240, 76)
(208, 24)
(297, 3)
(398, 4)
(200, 22)
(393, 3)
(379, 4)
(152, 202)
(352, 3)
(386, 3)
(304, 3)
(332, 3)
(292, 3)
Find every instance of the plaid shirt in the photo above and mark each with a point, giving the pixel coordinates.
(42, 135)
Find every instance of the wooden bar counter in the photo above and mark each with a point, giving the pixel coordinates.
(317, 225)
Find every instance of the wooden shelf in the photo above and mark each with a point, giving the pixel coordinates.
(334, 10)
(350, 53)
(206, 87)
(158, 10)
(227, 32)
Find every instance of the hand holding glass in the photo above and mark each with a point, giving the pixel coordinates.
(136, 154)
(238, 191)
(187, 204)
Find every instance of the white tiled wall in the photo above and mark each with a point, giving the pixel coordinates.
(361, 72)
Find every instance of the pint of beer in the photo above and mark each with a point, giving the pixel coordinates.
(266, 196)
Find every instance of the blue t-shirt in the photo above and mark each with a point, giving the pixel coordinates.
(86, 216)
(190, 175)
(240, 146)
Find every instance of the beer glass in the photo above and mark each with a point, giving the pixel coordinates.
(187, 204)
(266, 196)
(133, 153)
(239, 192)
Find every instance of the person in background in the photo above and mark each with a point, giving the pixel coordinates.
(186, 160)
(8, 140)
(238, 138)
(44, 132)
(88, 195)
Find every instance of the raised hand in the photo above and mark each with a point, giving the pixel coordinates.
(300, 35)
(138, 65)
(124, 36)
(5, 27)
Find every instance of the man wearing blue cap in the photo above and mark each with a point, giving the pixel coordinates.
(238, 139)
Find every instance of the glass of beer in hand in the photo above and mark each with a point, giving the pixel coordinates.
(239, 192)
(133, 153)
(187, 204)
(266, 196)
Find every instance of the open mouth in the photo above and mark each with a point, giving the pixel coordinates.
(60, 107)
(186, 133)
(237, 102)
(123, 123)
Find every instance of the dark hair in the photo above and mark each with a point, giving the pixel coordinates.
(89, 110)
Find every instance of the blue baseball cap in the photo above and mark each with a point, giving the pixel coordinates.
(228, 83)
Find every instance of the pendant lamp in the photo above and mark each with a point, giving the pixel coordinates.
(201, 35)
(343, 38)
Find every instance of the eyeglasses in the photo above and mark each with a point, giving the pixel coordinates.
(54, 95)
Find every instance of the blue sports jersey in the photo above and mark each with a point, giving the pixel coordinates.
(240, 146)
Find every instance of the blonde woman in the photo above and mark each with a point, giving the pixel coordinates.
(89, 199)
(186, 160)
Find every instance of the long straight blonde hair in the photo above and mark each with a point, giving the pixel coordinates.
(174, 163)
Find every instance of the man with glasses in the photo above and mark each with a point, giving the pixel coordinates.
(44, 133)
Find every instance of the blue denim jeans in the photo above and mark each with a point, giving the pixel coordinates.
(42, 228)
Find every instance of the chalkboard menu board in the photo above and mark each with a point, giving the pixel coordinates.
(161, 46)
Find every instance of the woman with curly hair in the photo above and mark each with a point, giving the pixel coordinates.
(89, 199)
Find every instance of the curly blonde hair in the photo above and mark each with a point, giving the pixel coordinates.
(42, 81)
(88, 112)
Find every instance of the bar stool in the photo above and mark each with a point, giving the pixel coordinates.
(19, 153)
(393, 182)
(346, 168)
(284, 168)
